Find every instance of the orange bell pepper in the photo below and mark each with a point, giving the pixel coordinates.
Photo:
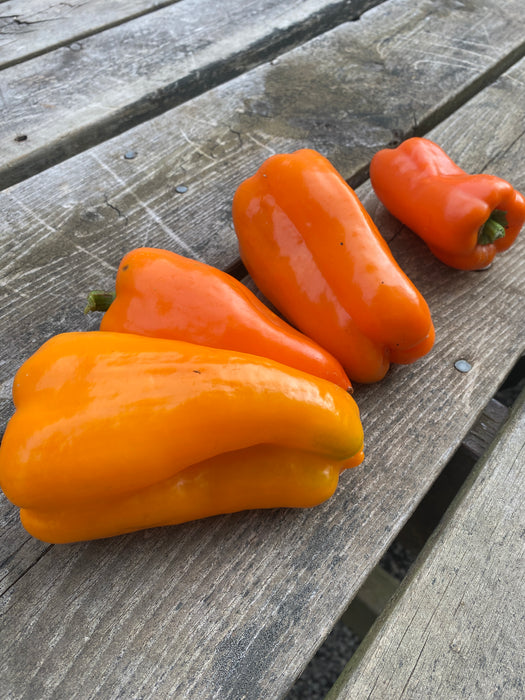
(114, 432)
(315, 253)
(165, 295)
(464, 219)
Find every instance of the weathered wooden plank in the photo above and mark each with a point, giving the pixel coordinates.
(380, 586)
(234, 606)
(346, 94)
(430, 510)
(30, 27)
(486, 428)
(456, 628)
(18, 552)
(110, 81)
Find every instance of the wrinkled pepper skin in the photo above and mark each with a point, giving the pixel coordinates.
(315, 253)
(165, 295)
(103, 418)
(449, 209)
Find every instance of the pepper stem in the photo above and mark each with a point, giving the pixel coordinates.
(493, 228)
(99, 300)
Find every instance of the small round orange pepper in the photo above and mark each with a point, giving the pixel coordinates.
(465, 220)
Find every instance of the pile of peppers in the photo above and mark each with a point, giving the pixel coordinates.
(195, 399)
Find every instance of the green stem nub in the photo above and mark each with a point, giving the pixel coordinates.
(493, 228)
(99, 300)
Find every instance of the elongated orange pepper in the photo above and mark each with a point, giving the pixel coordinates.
(465, 220)
(315, 253)
(107, 424)
(165, 295)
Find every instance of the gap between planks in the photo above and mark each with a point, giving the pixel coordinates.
(466, 583)
(21, 12)
(154, 97)
(28, 159)
(378, 589)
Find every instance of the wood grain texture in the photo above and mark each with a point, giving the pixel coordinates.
(456, 627)
(31, 27)
(101, 85)
(380, 586)
(347, 94)
(485, 428)
(235, 606)
(328, 87)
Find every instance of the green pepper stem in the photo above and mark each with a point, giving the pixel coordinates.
(493, 228)
(99, 300)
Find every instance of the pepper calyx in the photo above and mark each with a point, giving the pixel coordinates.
(99, 300)
(493, 228)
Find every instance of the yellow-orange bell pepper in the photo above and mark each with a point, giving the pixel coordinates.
(115, 432)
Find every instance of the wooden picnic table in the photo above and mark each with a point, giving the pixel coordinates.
(130, 124)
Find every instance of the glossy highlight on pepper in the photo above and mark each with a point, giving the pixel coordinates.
(114, 432)
(165, 295)
(465, 220)
(315, 253)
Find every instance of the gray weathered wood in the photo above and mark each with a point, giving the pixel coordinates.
(108, 90)
(457, 628)
(234, 606)
(30, 27)
(97, 86)
(486, 428)
(347, 94)
(429, 512)
(380, 586)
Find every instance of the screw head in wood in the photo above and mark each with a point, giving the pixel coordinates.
(462, 366)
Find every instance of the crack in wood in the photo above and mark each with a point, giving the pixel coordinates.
(190, 86)
(115, 208)
(28, 568)
(77, 37)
